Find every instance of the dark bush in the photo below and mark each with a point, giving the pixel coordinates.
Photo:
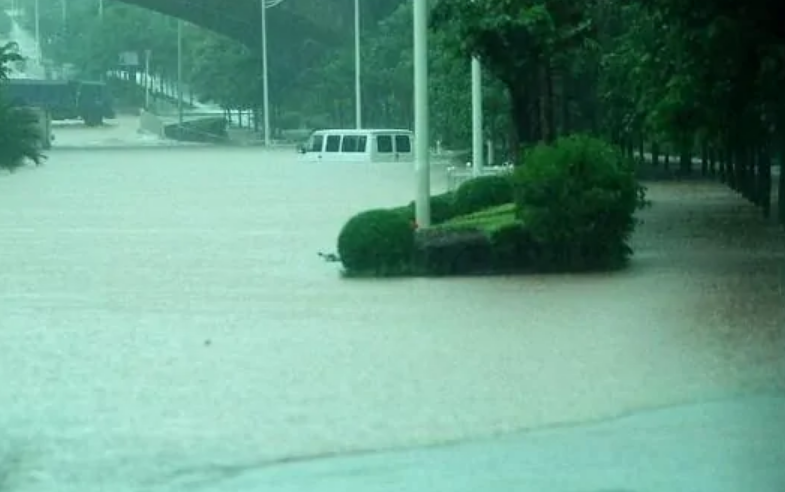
(20, 136)
(377, 242)
(578, 198)
(442, 209)
(489, 241)
(481, 193)
(514, 249)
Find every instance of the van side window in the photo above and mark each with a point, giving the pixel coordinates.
(403, 144)
(333, 143)
(349, 143)
(316, 145)
(384, 144)
(362, 142)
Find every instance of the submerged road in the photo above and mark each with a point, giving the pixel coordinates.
(166, 324)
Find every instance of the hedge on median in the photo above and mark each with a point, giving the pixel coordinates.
(569, 206)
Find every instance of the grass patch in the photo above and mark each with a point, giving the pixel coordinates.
(487, 221)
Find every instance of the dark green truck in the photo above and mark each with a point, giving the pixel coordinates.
(64, 99)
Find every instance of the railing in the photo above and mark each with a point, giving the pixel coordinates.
(456, 175)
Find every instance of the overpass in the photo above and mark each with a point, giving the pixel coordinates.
(241, 19)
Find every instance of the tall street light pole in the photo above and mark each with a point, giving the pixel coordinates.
(357, 75)
(265, 88)
(478, 150)
(180, 71)
(264, 5)
(421, 130)
(38, 29)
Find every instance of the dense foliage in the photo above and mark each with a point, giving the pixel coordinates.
(481, 193)
(577, 199)
(377, 242)
(20, 139)
(674, 75)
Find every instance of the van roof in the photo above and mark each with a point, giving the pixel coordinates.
(364, 131)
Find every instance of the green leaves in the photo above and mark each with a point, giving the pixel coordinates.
(19, 132)
(8, 55)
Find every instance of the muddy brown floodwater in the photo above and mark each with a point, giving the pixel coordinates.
(164, 310)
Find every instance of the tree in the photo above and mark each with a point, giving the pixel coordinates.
(522, 43)
(19, 135)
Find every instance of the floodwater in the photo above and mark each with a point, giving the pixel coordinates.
(164, 312)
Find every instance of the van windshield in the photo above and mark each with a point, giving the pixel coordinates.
(315, 144)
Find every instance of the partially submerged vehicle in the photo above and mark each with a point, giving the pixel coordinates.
(366, 145)
(63, 99)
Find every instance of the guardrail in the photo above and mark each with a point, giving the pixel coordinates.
(456, 175)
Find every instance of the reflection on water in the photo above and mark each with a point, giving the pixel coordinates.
(117, 267)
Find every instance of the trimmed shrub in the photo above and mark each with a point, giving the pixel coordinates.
(20, 136)
(453, 251)
(483, 192)
(514, 248)
(492, 240)
(377, 242)
(578, 198)
(442, 209)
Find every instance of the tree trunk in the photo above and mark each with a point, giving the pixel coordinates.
(704, 158)
(521, 120)
(781, 189)
(545, 100)
(566, 94)
(764, 163)
(655, 154)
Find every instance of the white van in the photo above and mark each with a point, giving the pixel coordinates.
(359, 146)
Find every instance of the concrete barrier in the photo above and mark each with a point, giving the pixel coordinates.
(198, 130)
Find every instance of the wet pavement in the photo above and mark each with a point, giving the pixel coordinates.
(169, 326)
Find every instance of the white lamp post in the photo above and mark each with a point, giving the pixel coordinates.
(264, 5)
(477, 138)
(478, 149)
(38, 29)
(421, 130)
(180, 71)
(357, 75)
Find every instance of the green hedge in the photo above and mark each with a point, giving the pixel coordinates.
(569, 206)
(20, 136)
(481, 193)
(578, 198)
(377, 242)
(488, 241)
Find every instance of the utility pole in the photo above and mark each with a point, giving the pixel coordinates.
(147, 80)
(38, 29)
(421, 123)
(478, 144)
(357, 73)
(265, 86)
(478, 147)
(180, 71)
